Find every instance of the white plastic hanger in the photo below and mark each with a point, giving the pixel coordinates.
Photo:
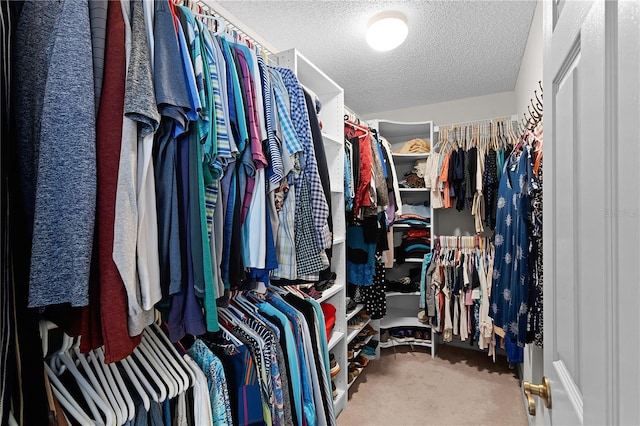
(139, 382)
(121, 393)
(160, 369)
(164, 339)
(141, 362)
(94, 401)
(65, 399)
(172, 362)
(101, 387)
(157, 331)
(167, 358)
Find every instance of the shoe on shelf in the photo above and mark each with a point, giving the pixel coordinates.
(384, 335)
(398, 335)
(364, 315)
(355, 322)
(333, 365)
(419, 335)
(409, 335)
(323, 285)
(368, 352)
(362, 360)
(355, 369)
(357, 345)
(350, 354)
(334, 389)
(351, 305)
(372, 331)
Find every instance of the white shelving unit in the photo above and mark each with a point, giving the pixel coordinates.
(331, 115)
(403, 308)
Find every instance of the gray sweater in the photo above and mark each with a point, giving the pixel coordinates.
(56, 129)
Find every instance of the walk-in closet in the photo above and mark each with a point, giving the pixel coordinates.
(319, 213)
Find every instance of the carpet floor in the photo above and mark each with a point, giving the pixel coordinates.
(458, 387)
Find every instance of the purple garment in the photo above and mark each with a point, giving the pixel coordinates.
(259, 160)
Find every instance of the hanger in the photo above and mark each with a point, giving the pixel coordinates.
(244, 302)
(62, 394)
(116, 384)
(357, 127)
(96, 404)
(160, 369)
(101, 387)
(220, 23)
(156, 330)
(156, 391)
(65, 399)
(138, 380)
(139, 360)
(167, 359)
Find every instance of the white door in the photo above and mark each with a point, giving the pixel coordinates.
(592, 212)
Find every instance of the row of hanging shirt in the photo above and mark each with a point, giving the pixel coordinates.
(465, 167)
(372, 200)
(369, 199)
(198, 145)
(455, 287)
(267, 365)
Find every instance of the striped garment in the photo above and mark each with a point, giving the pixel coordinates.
(275, 169)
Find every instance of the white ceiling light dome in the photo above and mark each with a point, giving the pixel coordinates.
(387, 30)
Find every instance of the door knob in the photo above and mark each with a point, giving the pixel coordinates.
(543, 390)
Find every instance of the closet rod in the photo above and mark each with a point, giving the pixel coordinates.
(237, 25)
(471, 123)
(352, 116)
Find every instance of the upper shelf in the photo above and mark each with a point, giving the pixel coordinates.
(410, 156)
(399, 132)
(308, 73)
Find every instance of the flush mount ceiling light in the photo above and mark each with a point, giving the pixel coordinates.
(387, 30)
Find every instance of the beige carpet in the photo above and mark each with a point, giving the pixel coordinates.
(459, 387)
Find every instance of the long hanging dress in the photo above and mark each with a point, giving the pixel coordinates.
(510, 287)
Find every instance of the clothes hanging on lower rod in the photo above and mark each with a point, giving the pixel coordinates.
(455, 286)
(274, 354)
(268, 364)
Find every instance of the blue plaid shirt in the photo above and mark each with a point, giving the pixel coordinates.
(309, 165)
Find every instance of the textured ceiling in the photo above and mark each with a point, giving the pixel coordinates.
(454, 50)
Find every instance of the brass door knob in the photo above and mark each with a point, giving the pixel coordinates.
(543, 390)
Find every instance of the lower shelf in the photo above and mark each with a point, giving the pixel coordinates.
(391, 321)
(336, 336)
(356, 378)
(392, 343)
(356, 353)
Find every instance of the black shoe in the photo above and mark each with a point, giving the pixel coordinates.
(351, 305)
(325, 284)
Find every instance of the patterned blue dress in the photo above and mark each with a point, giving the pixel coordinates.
(510, 285)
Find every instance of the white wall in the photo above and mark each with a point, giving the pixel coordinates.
(459, 111)
(530, 74)
(531, 66)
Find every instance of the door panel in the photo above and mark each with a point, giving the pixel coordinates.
(626, 214)
(567, 236)
(592, 211)
(573, 220)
